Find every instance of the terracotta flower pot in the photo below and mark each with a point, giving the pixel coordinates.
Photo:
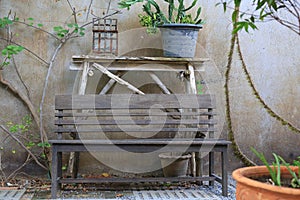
(250, 189)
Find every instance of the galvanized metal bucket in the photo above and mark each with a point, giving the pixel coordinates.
(174, 165)
(179, 40)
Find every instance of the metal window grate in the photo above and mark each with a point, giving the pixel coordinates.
(105, 36)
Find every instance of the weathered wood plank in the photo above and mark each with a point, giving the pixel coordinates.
(155, 141)
(131, 101)
(116, 78)
(133, 114)
(141, 59)
(131, 130)
(83, 81)
(136, 122)
(131, 180)
(139, 146)
(162, 86)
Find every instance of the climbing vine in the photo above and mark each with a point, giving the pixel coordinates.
(238, 153)
(259, 98)
(237, 26)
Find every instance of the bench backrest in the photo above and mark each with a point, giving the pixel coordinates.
(121, 116)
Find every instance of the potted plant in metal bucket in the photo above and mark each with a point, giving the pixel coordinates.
(277, 181)
(178, 27)
(174, 164)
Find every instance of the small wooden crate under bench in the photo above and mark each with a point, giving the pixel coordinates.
(176, 123)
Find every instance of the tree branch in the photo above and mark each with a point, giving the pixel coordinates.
(20, 77)
(23, 146)
(19, 168)
(40, 29)
(89, 10)
(26, 101)
(43, 136)
(73, 11)
(34, 54)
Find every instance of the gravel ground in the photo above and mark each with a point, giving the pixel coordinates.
(210, 193)
(216, 190)
(215, 193)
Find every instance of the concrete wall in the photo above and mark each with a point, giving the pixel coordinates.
(270, 53)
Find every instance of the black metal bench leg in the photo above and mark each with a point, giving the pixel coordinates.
(211, 168)
(54, 174)
(224, 159)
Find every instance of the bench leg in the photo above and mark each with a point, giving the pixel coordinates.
(224, 159)
(211, 166)
(56, 171)
(76, 163)
(199, 168)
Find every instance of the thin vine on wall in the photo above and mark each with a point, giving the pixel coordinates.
(237, 26)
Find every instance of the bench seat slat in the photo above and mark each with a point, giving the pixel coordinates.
(135, 122)
(131, 180)
(140, 129)
(164, 141)
(118, 113)
(133, 101)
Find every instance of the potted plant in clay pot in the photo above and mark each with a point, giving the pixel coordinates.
(179, 28)
(277, 181)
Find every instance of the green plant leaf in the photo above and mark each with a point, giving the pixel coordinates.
(234, 16)
(171, 9)
(44, 144)
(224, 6)
(57, 28)
(179, 11)
(191, 6)
(277, 165)
(237, 2)
(4, 52)
(296, 180)
(265, 162)
(198, 14)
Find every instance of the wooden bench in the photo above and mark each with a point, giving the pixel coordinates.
(176, 123)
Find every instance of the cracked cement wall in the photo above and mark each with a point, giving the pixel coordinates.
(271, 54)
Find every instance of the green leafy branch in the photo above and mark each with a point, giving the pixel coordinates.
(62, 32)
(22, 129)
(5, 21)
(13, 48)
(8, 52)
(264, 9)
(31, 22)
